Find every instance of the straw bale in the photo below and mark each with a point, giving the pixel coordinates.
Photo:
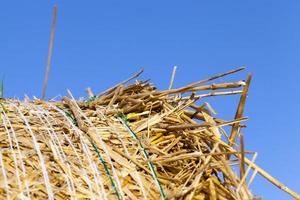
(130, 142)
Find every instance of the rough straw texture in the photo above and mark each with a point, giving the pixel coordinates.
(129, 142)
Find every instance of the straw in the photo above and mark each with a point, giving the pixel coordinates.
(49, 52)
(131, 142)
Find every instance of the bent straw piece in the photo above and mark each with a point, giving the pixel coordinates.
(240, 110)
(209, 79)
(215, 94)
(218, 86)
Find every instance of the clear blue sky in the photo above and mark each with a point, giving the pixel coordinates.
(98, 44)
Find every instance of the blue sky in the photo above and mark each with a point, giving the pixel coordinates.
(99, 43)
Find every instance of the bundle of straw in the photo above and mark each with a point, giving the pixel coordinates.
(129, 142)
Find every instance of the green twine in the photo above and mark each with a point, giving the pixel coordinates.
(72, 118)
(69, 115)
(124, 121)
(90, 99)
(2, 110)
(105, 167)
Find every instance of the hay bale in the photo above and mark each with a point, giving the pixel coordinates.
(130, 142)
